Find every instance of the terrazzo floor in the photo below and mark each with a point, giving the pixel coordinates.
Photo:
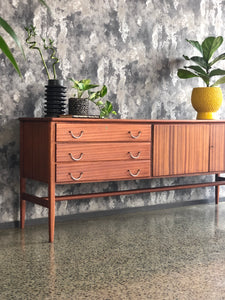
(175, 253)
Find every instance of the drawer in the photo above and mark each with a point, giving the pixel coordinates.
(102, 171)
(103, 132)
(69, 152)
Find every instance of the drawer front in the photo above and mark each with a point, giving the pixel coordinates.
(102, 171)
(103, 132)
(69, 152)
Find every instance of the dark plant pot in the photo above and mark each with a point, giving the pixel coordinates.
(55, 94)
(78, 106)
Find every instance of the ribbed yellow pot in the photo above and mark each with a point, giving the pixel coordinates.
(206, 101)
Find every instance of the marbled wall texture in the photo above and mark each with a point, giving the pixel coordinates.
(132, 46)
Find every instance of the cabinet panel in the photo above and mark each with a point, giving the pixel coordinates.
(217, 148)
(35, 147)
(180, 149)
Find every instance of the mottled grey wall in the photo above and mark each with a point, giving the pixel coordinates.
(134, 47)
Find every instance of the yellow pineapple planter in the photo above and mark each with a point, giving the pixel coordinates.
(206, 101)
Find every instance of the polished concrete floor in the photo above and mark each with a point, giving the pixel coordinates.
(174, 253)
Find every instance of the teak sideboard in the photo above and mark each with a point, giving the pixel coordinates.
(68, 150)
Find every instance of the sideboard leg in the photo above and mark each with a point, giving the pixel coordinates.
(51, 212)
(217, 190)
(22, 203)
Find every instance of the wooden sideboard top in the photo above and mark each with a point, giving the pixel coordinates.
(89, 120)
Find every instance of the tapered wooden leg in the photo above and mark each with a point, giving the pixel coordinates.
(51, 183)
(22, 202)
(51, 211)
(217, 190)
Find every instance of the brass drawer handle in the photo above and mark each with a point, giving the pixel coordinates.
(76, 159)
(134, 156)
(76, 179)
(133, 136)
(134, 175)
(76, 137)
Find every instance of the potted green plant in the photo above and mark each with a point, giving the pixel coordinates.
(205, 100)
(55, 91)
(79, 104)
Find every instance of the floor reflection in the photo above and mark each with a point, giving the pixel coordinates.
(162, 254)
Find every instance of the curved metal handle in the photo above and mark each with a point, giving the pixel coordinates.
(76, 159)
(133, 136)
(76, 179)
(134, 156)
(134, 175)
(76, 137)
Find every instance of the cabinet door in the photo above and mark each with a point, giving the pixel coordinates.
(217, 148)
(180, 149)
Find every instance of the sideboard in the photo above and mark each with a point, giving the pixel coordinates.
(69, 151)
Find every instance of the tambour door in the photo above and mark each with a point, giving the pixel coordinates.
(180, 149)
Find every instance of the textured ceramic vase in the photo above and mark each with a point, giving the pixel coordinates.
(78, 106)
(206, 101)
(55, 94)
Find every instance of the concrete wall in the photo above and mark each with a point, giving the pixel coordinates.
(134, 47)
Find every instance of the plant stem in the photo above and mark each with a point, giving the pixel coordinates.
(32, 45)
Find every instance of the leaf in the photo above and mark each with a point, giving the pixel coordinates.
(12, 33)
(217, 72)
(210, 45)
(8, 53)
(219, 81)
(103, 91)
(80, 86)
(218, 58)
(45, 4)
(197, 69)
(200, 73)
(93, 96)
(91, 86)
(186, 57)
(200, 61)
(184, 74)
(196, 45)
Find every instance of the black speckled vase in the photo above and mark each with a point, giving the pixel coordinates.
(78, 106)
(55, 94)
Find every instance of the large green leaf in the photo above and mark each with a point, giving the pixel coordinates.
(219, 81)
(12, 33)
(8, 53)
(196, 45)
(197, 69)
(210, 45)
(200, 73)
(218, 58)
(198, 60)
(184, 74)
(217, 72)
